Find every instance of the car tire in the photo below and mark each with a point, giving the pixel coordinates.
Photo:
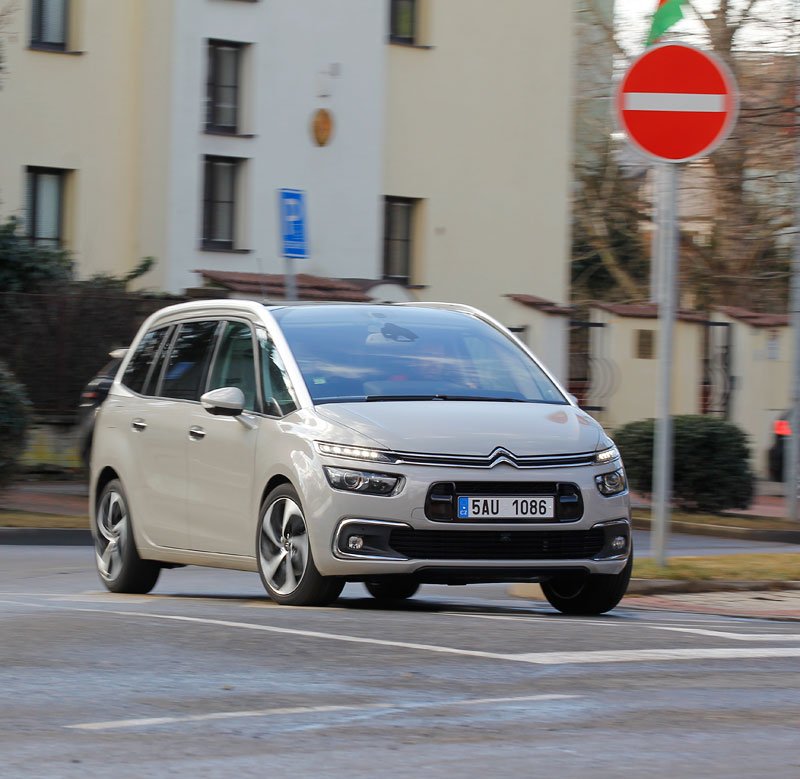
(589, 594)
(118, 563)
(285, 562)
(389, 590)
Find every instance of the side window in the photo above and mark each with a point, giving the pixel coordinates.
(274, 378)
(187, 364)
(235, 365)
(138, 368)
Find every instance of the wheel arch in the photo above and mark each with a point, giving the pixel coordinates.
(276, 481)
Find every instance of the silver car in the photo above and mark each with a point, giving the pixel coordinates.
(387, 444)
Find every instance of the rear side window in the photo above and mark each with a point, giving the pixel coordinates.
(136, 373)
(187, 364)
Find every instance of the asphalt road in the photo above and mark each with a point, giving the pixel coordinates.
(207, 678)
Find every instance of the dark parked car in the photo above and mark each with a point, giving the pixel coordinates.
(92, 397)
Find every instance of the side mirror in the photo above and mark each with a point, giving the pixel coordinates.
(224, 402)
(573, 399)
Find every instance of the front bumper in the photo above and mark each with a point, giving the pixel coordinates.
(396, 536)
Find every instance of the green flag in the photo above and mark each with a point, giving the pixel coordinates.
(668, 13)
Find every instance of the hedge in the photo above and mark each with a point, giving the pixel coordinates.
(711, 469)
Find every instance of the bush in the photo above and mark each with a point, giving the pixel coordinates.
(14, 418)
(711, 462)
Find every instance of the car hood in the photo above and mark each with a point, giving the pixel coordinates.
(469, 427)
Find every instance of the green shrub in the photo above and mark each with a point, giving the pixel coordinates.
(711, 469)
(14, 418)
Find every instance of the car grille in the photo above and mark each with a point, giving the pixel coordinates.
(497, 545)
(497, 457)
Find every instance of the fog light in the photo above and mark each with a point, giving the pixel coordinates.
(355, 543)
(618, 543)
(611, 483)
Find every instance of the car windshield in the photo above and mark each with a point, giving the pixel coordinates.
(385, 353)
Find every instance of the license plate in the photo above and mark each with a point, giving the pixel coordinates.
(489, 507)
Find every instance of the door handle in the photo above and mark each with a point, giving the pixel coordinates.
(197, 433)
(139, 425)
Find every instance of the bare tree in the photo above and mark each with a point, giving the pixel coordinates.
(741, 254)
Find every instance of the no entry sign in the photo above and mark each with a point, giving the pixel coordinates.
(676, 102)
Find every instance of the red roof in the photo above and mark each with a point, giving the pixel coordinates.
(272, 285)
(754, 318)
(646, 311)
(547, 306)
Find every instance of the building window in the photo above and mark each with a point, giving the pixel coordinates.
(49, 24)
(398, 232)
(645, 344)
(403, 21)
(219, 202)
(45, 206)
(223, 88)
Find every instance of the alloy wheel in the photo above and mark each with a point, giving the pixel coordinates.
(283, 546)
(112, 535)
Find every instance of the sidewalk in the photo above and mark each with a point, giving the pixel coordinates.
(63, 498)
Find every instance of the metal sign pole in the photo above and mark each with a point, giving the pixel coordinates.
(290, 291)
(791, 459)
(667, 263)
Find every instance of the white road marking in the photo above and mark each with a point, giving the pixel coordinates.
(222, 715)
(734, 636)
(535, 658)
(654, 655)
(673, 101)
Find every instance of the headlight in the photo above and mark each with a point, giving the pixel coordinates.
(353, 452)
(366, 482)
(607, 455)
(611, 483)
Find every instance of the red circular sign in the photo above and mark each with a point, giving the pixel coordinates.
(676, 102)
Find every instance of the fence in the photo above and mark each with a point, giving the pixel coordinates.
(55, 343)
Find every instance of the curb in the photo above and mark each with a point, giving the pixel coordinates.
(26, 536)
(724, 531)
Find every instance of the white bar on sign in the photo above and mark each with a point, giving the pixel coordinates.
(674, 101)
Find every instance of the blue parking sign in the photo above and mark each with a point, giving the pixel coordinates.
(292, 203)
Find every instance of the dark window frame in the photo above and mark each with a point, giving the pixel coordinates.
(389, 241)
(37, 30)
(32, 172)
(645, 346)
(395, 9)
(212, 117)
(209, 201)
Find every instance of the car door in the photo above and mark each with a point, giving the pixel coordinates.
(161, 422)
(221, 452)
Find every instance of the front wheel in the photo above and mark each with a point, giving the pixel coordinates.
(588, 594)
(285, 562)
(118, 562)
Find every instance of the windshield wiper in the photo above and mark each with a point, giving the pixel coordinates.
(379, 398)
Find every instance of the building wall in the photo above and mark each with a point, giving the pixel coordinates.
(80, 111)
(634, 390)
(761, 362)
(298, 49)
(479, 127)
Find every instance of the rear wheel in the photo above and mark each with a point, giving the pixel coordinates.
(588, 594)
(285, 562)
(118, 562)
(388, 590)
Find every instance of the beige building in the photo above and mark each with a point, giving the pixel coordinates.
(734, 364)
(431, 139)
(625, 355)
